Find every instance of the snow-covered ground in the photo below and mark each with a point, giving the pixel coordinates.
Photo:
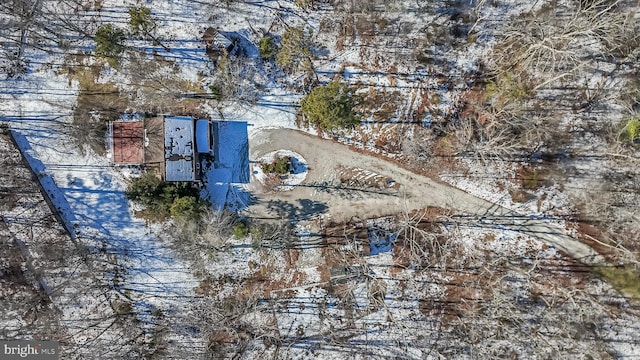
(288, 181)
(89, 194)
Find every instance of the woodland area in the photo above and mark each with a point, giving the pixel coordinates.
(531, 111)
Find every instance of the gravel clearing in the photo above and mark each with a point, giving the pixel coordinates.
(338, 203)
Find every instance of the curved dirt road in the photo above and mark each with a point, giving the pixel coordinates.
(322, 193)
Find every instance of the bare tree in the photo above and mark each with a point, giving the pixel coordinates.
(558, 42)
(425, 239)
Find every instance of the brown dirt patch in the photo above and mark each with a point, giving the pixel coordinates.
(325, 273)
(417, 108)
(565, 272)
(222, 337)
(337, 234)
(464, 290)
(291, 257)
(277, 287)
(530, 178)
(379, 105)
(520, 196)
(401, 255)
(472, 108)
(588, 234)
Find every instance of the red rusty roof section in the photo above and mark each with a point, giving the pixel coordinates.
(128, 142)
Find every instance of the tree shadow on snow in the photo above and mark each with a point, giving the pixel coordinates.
(307, 209)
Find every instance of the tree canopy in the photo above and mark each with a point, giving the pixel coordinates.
(295, 50)
(330, 107)
(161, 199)
(140, 20)
(109, 41)
(267, 47)
(631, 131)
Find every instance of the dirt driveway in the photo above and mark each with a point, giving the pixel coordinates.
(323, 193)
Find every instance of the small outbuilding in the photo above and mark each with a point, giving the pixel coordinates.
(127, 142)
(217, 44)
